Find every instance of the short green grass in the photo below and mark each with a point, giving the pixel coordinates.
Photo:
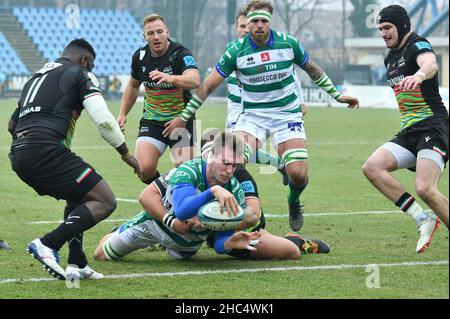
(339, 142)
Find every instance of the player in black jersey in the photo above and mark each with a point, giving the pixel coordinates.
(168, 71)
(422, 143)
(42, 127)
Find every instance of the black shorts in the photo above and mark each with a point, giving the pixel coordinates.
(54, 170)
(430, 134)
(154, 129)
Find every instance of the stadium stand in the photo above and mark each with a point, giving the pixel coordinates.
(115, 35)
(10, 63)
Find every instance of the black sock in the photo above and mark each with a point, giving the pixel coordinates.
(296, 240)
(80, 220)
(405, 201)
(76, 254)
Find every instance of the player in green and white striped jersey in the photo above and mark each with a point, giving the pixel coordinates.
(264, 63)
(171, 222)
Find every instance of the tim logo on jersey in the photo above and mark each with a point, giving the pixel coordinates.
(265, 57)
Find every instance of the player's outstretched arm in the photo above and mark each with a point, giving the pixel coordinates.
(130, 95)
(318, 75)
(109, 129)
(208, 86)
(201, 94)
(151, 201)
(226, 241)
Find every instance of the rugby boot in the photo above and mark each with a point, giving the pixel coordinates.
(311, 245)
(73, 271)
(426, 229)
(48, 257)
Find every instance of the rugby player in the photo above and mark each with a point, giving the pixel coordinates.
(140, 231)
(42, 127)
(264, 63)
(168, 71)
(422, 143)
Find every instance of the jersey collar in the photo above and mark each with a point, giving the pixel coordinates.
(270, 43)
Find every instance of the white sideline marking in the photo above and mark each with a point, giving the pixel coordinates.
(265, 215)
(248, 270)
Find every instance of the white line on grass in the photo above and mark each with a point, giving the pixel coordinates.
(265, 215)
(247, 270)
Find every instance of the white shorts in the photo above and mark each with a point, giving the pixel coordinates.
(232, 116)
(280, 126)
(145, 234)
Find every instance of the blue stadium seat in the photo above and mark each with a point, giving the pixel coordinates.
(115, 35)
(10, 62)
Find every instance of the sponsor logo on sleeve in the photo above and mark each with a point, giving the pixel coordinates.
(248, 187)
(423, 45)
(189, 61)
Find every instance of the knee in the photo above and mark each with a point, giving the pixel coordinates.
(425, 191)
(298, 174)
(99, 255)
(109, 205)
(370, 169)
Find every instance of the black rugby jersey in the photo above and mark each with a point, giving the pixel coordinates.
(162, 102)
(425, 101)
(52, 101)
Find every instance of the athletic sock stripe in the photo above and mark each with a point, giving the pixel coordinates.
(407, 204)
(109, 252)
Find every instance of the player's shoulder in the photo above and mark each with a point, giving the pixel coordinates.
(284, 37)
(236, 46)
(141, 53)
(416, 42)
(191, 169)
(176, 48)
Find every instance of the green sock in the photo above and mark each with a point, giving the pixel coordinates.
(267, 158)
(295, 192)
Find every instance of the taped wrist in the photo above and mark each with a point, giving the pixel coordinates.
(169, 220)
(193, 105)
(325, 84)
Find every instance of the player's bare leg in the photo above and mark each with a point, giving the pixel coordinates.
(378, 170)
(294, 154)
(274, 247)
(147, 156)
(99, 254)
(428, 175)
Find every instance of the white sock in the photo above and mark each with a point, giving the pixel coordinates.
(417, 212)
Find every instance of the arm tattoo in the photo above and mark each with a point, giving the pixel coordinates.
(314, 71)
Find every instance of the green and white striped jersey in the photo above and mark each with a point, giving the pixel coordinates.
(266, 73)
(194, 173)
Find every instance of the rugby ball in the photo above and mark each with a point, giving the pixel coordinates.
(211, 217)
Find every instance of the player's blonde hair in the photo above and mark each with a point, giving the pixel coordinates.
(152, 17)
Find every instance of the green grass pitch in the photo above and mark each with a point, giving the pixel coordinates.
(339, 142)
